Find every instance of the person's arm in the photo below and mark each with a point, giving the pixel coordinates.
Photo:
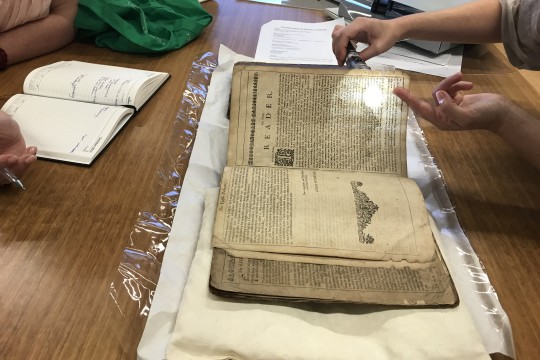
(520, 32)
(493, 112)
(41, 36)
(471, 23)
(522, 132)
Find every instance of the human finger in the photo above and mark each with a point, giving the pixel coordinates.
(453, 90)
(447, 83)
(22, 164)
(422, 108)
(28, 159)
(450, 80)
(8, 160)
(446, 113)
(31, 150)
(371, 51)
(452, 85)
(339, 43)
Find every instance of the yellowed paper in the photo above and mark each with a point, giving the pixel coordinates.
(305, 278)
(317, 117)
(327, 213)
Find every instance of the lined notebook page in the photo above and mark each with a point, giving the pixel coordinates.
(75, 80)
(63, 129)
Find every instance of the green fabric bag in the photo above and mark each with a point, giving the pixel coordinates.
(141, 26)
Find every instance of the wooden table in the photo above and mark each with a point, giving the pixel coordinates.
(63, 239)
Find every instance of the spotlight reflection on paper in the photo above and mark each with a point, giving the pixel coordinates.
(373, 96)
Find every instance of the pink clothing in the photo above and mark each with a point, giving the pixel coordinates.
(17, 12)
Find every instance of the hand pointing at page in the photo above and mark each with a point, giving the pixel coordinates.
(452, 110)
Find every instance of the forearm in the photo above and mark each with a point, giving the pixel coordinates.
(471, 23)
(521, 131)
(41, 36)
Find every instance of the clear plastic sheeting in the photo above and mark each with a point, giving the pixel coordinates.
(480, 298)
(133, 287)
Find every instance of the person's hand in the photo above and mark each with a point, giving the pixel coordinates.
(455, 111)
(380, 35)
(13, 151)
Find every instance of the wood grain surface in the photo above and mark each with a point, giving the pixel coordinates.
(63, 239)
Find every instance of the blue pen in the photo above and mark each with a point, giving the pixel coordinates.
(11, 177)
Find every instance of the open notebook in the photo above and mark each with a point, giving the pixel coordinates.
(71, 110)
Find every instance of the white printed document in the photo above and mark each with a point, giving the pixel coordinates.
(294, 42)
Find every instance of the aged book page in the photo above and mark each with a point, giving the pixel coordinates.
(327, 213)
(317, 117)
(309, 278)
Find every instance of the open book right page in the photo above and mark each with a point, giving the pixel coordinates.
(95, 83)
(351, 215)
(317, 117)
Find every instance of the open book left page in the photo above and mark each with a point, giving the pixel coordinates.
(317, 117)
(66, 130)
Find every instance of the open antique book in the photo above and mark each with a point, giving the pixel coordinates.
(71, 110)
(315, 203)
